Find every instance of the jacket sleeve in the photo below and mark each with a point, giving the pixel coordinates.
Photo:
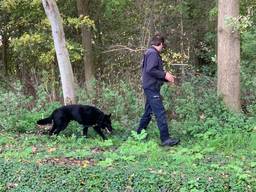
(152, 67)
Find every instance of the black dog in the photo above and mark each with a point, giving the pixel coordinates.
(83, 114)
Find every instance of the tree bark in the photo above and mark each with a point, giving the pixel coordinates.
(53, 83)
(83, 10)
(5, 53)
(181, 39)
(66, 72)
(228, 55)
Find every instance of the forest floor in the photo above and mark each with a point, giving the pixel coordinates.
(126, 162)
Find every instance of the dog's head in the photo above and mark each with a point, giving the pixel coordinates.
(107, 123)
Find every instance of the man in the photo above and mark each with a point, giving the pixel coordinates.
(153, 76)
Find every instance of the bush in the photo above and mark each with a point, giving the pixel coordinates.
(198, 109)
(194, 107)
(16, 113)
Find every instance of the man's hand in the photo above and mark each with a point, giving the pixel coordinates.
(169, 77)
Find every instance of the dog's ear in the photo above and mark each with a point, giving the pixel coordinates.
(109, 115)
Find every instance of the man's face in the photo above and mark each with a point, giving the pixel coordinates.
(161, 47)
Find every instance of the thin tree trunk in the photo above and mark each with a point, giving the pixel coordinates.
(83, 10)
(66, 72)
(228, 55)
(182, 39)
(5, 54)
(148, 22)
(27, 81)
(53, 83)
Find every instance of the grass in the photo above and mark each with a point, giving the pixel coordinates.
(34, 162)
(217, 150)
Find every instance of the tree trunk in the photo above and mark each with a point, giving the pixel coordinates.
(228, 55)
(66, 72)
(83, 10)
(5, 53)
(53, 83)
(181, 39)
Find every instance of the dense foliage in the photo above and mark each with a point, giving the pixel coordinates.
(214, 141)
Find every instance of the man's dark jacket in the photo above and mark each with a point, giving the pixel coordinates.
(153, 74)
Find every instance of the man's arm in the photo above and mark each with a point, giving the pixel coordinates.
(169, 77)
(152, 68)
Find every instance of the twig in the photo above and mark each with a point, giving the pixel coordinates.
(179, 64)
(114, 48)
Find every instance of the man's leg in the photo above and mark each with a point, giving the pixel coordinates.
(146, 117)
(156, 104)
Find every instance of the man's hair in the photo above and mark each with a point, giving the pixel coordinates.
(157, 40)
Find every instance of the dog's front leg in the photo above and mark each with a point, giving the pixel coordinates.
(98, 130)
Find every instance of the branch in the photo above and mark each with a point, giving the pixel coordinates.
(114, 48)
(179, 64)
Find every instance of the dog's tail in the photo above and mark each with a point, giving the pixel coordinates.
(45, 121)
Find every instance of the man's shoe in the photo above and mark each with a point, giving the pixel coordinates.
(170, 142)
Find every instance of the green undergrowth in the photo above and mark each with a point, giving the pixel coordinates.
(73, 163)
(217, 150)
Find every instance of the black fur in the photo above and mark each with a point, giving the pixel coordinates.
(83, 114)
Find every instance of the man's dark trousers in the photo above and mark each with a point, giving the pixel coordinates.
(154, 104)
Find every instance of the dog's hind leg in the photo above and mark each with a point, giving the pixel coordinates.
(53, 129)
(98, 130)
(85, 131)
(60, 126)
